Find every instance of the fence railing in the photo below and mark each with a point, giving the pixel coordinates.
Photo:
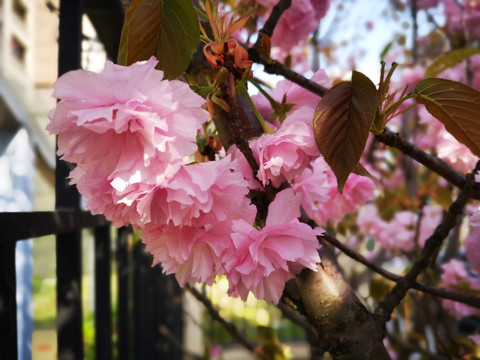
(148, 302)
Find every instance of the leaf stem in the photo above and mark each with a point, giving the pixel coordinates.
(394, 107)
(272, 101)
(241, 89)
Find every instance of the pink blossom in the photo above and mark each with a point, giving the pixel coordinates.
(425, 4)
(370, 222)
(315, 185)
(401, 231)
(472, 249)
(455, 153)
(455, 277)
(192, 253)
(462, 14)
(297, 22)
(244, 167)
(127, 130)
(262, 261)
(324, 203)
(187, 221)
(202, 193)
(283, 155)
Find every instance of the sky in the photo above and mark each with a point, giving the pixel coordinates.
(345, 26)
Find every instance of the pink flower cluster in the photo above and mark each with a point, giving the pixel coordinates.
(284, 154)
(263, 260)
(128, 131)
(299, 21)
(321, 200)
(290, 155)
(401, 232)
(456, 278)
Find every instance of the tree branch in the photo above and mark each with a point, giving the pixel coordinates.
(441, 293)
(434, 163)
(232, 330)
(385, 308)
(272, 20)
(273, 66)
(294, 316)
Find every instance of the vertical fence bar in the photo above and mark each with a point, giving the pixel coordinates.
(141, 299)
(103, 314)
(8, 303)
(123, 312)
(68, 246)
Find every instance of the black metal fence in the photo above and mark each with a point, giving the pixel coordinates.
(148, 316)
(147, 323)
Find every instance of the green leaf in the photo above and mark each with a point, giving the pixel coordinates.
(341, 124)
(385, 50)
(456, 105)
(449, 60)
(168, 29)
(140, 32)
(179, 37)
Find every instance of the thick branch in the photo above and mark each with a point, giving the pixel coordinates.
(384, 310)
(441, 293)
(345, 327)
(232, 330)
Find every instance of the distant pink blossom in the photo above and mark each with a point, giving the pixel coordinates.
(425, 4)
(126, 128)
(399, 233)
(370, 222)
(262, 260)
(283, 155)
(455, 277)
(472, 242)
(296, 23)
(463, 15)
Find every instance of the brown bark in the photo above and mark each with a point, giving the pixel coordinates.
(344, 326)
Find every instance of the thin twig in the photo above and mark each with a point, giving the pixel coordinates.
(294, 316)
(177, 344)
(434, 163)
(384, 310)
(232, 330)
(274, 67)
(441, 293)
(414, 347)
(272, 20)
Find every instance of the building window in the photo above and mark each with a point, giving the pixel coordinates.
(19, 9)
(18, 49)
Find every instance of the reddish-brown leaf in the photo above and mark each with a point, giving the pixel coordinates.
(341, 124)
(456, 105)
(141, 29)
